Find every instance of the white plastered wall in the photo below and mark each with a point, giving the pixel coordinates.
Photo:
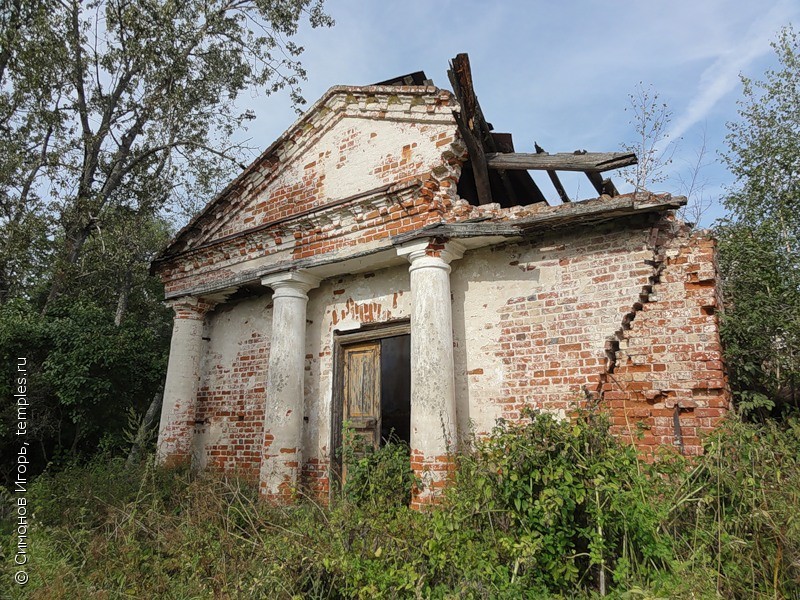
(231, 382)
(343, 304)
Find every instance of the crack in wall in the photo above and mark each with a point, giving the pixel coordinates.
(661, 235)
(658, 263)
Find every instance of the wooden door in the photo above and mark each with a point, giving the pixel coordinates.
(362, 390)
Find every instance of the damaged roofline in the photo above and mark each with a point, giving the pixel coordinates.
(551, 217)
(481, 232)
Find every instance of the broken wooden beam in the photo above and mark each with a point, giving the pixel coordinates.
(480, 171)
(562, 193)
(603, 186)
(469, 124)
(596, 162)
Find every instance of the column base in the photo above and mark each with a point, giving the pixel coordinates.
(175, 461)
(435, 473)
(279, 476)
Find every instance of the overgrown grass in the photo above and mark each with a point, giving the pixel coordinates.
(538, 510)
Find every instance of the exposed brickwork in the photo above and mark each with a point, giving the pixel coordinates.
(668, 386)
(558, 346)
(434, 473)
(284, 204)
(648, 289)
(315, 479)
(304, 147)
(551, 340)
(194, 309)
(623, 313)
(229, 425)
(174, 445)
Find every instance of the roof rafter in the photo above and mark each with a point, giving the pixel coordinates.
(484, 155)
(596, 162)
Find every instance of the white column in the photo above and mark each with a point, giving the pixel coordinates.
(183, 378)
(433, 401)
(282, 456)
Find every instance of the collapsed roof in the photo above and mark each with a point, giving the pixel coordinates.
(493, 173)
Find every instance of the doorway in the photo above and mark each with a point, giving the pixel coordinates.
(372, 390)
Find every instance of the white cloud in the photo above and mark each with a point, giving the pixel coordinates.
(722, 76)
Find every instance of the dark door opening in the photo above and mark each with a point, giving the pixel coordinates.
(396, 389)
(377, 389)
(372, 392)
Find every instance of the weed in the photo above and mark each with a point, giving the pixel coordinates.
(540, 509)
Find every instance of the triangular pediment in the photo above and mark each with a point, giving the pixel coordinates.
(351, 142)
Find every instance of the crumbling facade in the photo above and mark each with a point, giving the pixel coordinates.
(350, 275)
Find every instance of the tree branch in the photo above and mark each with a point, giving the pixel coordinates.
(26, 187)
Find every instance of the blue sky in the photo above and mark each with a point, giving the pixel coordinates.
(558, 73)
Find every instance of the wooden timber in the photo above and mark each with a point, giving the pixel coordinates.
(589, 162)
(468, 125)
(603, 186)
(562, 193)
(477, 135)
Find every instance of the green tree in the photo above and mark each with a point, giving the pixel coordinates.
(132, 103)
(760, 240)
(115, 115)
(26, 133)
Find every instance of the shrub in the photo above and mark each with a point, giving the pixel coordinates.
(378, 477)
(559, 504)
(539, 509)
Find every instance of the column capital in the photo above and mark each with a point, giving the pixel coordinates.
(291, 284)
(431, 252)
(190, 307)
(219, 297)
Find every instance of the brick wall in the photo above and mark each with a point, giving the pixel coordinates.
(534, 325)
(624, 314)
(229, 429)
(667, 385)
(434, 473)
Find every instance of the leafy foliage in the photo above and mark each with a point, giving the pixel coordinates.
(84, 372)
(112, 105)
(734, 516)
(537, 510)
(115, 121)
(377, 477)
(558, 501)
(760, 241)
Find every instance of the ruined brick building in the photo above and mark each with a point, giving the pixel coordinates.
(389, 262)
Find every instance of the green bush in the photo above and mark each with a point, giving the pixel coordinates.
(379, 477)
(537, 510)
(559, 504)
